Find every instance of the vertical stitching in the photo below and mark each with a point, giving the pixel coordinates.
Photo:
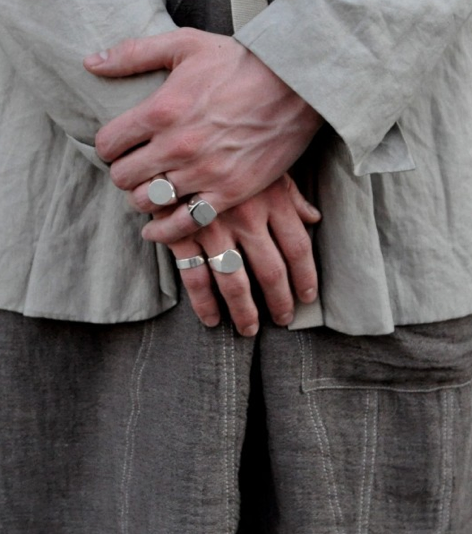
(360, 512)
(301, 346)
(225, 429)
(232, 437)
(443, 460)
(448, 465)
(325, 454)
(375, 414)
(333, 487)
(130, 434)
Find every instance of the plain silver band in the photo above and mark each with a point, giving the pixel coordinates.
(227, 262)
(190, 263)
(161, 191)
(201, 211)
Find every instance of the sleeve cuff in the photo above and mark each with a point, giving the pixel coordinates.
(313, 51)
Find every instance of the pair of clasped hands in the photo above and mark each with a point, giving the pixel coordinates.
(225, 127)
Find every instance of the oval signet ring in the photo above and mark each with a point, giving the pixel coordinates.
(227, 262)
(201, 211)
(161, 192)
(190, 263)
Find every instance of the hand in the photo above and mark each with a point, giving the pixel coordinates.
(269, 230)
(223, 125)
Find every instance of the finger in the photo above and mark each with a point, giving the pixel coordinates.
(125, 133)
(306, 211)
(139, 200)
(134, 56)
(135, 168)
(177, 225)
(198, 283)
(271, 273)
(235, 287)
(296, 247)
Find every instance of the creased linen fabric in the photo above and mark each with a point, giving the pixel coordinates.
(393, 81)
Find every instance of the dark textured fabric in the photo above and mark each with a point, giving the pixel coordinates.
(138, 429)
(210, 15)
(128, 429)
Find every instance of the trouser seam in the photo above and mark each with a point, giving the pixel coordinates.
(447, 401)
(229, 426)
(368, 462)
(323, 444)
(133, 418)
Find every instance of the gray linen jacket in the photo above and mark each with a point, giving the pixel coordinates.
(393, 78)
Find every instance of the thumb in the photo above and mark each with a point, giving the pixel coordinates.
(135, 56)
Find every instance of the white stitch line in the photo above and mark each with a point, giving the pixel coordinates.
(448, 492)
(444, 405)
(225, 430)
(331, 469)
(387, 388)
(330, 465)
(375, 414)
(232, 442)
(325, 470)
(301, 347)
(360, 512)
(311, 403)
(133, 418)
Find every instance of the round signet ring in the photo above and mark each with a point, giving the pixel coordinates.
(227, 262)
(161, 192)
(190, 263)
(201, 211)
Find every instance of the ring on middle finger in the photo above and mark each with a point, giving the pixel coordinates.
(227, 262)
(201, 211)
(162, 192)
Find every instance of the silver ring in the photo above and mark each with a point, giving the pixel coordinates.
(190, 263)
(227, 262)
(201, 211)
(161, 192)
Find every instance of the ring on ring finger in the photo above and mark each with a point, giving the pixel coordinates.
(227, 262)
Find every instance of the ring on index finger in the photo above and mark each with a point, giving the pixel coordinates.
(227, 262)
(162, 192)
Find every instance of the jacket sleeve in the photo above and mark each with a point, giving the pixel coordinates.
(46, 42)
(359, 63)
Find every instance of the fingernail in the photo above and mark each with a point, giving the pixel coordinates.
(309, 295)
(284, 319)
(211, 320)
(250, 331)
(95, 59)
(313, 210)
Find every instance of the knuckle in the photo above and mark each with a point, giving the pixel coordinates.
(118, 177)
(139, 203)
(203, 306)
(274, 276)
(281, 305)
(166, 110)
(102, 145)
(186, 146)
(299, 248)
(196, 284)
(234, 290)
(127, 49)
(233, 192)
(189, 37)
